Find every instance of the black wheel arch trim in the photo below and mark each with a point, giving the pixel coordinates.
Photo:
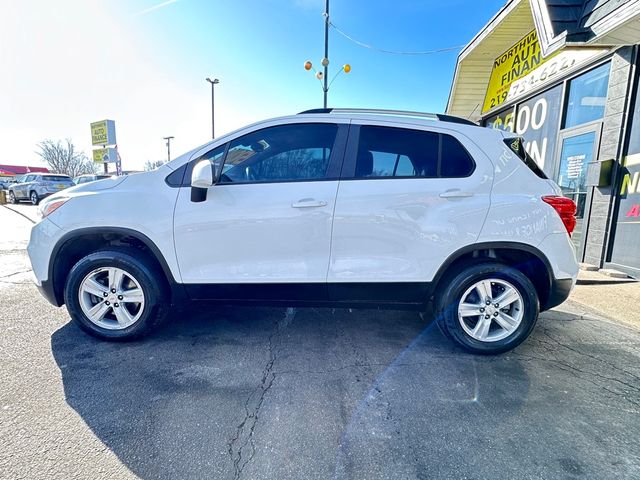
(502, 245)
(55, 292)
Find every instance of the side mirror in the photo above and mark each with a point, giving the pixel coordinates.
(201, 180)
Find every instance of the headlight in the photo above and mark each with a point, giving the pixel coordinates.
(51, 205)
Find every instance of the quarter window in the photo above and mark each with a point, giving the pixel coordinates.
(398, 152)
(455, 162)
(294, 152)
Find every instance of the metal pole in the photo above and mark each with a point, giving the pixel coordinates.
(168, 139)
(326, 50)
(213, 83)
(213, 115)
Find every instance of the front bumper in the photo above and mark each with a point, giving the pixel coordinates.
(44, 236)
(47, 291)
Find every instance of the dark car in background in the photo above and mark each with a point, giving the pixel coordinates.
(33, 187)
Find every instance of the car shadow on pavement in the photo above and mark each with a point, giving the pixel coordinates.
(279, 393)
(257, 392)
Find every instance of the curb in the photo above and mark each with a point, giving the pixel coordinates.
(19, 213)
(605, 282)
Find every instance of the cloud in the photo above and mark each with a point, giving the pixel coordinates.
(155, 7)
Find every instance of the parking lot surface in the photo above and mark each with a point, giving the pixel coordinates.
(227, 392)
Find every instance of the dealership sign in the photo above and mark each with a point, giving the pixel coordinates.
(522, 69)
(105, 155)
(555, 67)
(103, 133)
(515, 63)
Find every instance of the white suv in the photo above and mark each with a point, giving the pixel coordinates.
(353, 208)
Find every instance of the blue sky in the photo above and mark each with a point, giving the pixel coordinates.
(77, 61)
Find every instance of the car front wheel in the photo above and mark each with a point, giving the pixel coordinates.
(34, 198)
(114, 296)
(487, 308)
(12, 198)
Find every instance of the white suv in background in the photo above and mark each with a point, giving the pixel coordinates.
(353, 208)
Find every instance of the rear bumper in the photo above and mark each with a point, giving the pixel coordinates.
(560, 290)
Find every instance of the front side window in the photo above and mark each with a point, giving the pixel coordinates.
(294, 152)
(399, 152)
(215, 156)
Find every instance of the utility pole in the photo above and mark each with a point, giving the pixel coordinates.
(168, 139)
(326, 52)
(213, 82)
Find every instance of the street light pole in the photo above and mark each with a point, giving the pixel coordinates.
(323, 77)
(168, 139)
(326, 51)
(213, 82)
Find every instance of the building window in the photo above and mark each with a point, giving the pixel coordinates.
(537, 122)
(587, 97)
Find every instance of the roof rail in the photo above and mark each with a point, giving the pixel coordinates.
(405, 113)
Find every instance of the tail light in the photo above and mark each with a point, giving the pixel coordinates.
(566, 208)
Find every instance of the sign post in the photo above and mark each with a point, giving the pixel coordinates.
(103, 134)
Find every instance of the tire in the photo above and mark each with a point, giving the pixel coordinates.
(12, 198)
(33, 196)
(492, 330)
(121, 319)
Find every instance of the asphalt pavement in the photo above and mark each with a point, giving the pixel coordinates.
(276, 393)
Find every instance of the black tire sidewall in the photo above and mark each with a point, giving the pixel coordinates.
(451, 295)
(142, 272)
(12, 198)
(34, 194)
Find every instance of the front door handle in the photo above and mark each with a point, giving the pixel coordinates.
(455, 193)
(309, 203)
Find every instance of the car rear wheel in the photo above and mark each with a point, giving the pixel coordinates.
(34, 198)
(114, 296)
(12, 198)
(487, 308)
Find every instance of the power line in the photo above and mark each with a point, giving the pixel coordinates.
(393, 52)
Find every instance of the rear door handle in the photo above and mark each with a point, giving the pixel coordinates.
(309, 203)
(455, 193)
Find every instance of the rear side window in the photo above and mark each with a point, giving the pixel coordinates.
(405, 153)
(516, 145)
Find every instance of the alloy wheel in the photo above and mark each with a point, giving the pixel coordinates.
(491, 310)
(111, 298)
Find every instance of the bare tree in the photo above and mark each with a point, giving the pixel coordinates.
(64, 158)
(152, 165)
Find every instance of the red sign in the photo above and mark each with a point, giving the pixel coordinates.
(634, 211)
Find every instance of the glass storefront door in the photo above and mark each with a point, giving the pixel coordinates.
(577, 149)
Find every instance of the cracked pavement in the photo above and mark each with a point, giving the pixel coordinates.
(263, 393)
